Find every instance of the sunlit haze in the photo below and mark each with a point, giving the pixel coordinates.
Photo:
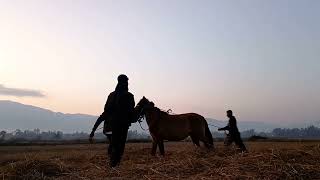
(258, 58)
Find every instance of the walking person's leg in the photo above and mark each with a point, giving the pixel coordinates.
(240, 144)
(116, 147)
(109, 136)
(227, 141)
(124, 133)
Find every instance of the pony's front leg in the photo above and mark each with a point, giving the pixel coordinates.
(161, 147)
(154, 148)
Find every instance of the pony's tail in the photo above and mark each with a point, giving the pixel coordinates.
(209, 135)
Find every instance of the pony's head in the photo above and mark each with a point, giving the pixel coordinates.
(144, 105)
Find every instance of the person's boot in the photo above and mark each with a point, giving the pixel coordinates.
(244, 150)
(114, 163)
(109, 150)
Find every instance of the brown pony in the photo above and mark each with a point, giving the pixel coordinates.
(163, 126)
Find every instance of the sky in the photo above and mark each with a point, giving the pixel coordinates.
(258, 58)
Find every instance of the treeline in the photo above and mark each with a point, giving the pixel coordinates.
(311, 132)
(38, 135)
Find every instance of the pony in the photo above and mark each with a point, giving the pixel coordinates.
(164, 126)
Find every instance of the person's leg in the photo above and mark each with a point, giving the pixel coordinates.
(116, 144)
(240, 144)
(109, 136)
(124, 133)
(228, 140)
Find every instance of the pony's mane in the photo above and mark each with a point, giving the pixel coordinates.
(161, 111)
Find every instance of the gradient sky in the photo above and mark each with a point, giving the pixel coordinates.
(259, 58)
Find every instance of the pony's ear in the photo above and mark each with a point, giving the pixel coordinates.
(143, 97)
(152, 104)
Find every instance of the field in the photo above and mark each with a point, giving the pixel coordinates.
(266, 160)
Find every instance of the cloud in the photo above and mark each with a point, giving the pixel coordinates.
(18, 92)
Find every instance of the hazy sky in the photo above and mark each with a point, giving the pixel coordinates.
(259, 58)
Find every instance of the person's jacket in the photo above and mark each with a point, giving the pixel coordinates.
(118, 111)
(232, 126)
(121, 108)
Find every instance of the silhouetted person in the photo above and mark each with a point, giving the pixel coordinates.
(234, 134)
(120, 108)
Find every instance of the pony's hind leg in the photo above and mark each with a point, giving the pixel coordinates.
(195, 140)
(161, 147)
(154, 148)
(206, 142)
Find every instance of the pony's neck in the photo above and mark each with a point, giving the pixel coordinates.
(151, 116)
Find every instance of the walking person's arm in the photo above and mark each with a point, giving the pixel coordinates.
(227, 128)
(96, 125)
(224, 129)
(131, 107)
(107, 109)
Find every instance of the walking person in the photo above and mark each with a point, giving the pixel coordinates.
(234, 134)
(120, 108)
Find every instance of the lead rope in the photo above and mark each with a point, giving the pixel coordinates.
(139, 120)
(141, 125)
(213, 125)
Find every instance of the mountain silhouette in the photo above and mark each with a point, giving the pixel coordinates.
(14, 115)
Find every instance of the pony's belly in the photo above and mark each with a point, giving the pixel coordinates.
(174, 136)
(174, 130)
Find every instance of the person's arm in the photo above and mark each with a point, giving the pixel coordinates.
(224, 129)
(107, 108)
(131, 107)
(233, 123)
(97, 124)
(132, 103)
(227, 128)
(109, 104)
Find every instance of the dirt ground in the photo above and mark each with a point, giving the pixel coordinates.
(265, 160)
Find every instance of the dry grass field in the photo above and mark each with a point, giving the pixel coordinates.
(266, 160)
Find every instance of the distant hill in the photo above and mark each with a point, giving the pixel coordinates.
(15, 115)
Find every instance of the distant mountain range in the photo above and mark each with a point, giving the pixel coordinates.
(15, 115)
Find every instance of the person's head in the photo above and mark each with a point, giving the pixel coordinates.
(122, 83)
(122, 78)
(229, 113)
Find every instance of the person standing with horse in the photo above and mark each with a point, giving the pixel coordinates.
(234, 134)
(120, 110)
